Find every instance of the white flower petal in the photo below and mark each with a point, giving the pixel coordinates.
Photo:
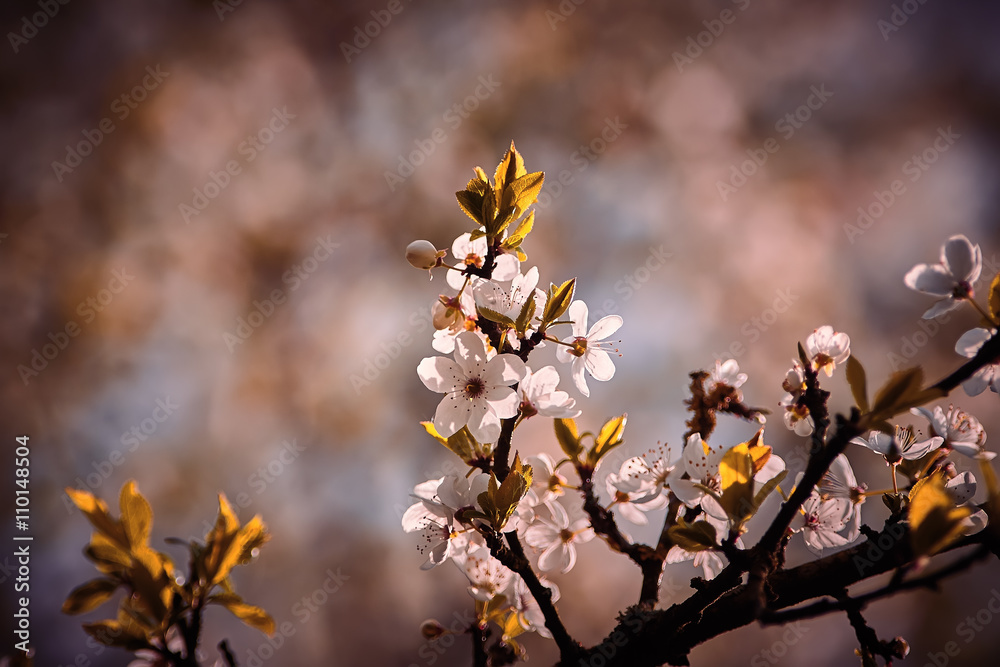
(504, 402)
(484, 424)
(451, 415)
(931, 279)
(970, 342)
(604, 327)
(470, 353)
(941, 307)
(578, 314)
(440, 374)
(578, 377)
(599, 364)
(508, 266)
(960, 257)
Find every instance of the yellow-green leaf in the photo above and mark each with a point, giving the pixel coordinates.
(253, 616)
(461, 443)
(494, 316)
(151, 582)
(511, 168)
(568, 437)
(558, 301)
(112, 633)
(523, 228)
(994, 299)
(694, 537)
(136, 515)
(525, 191)
(525, 316)
(107, 554)
(901, 392)
(610, 436)
(858, 382)
(935, 521)
(472, 204)
(96, 511)
(89, 596)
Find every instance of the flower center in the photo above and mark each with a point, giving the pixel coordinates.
(472, 259)
(474, 387)
(566, 535)
(579, 347)
(963, 290)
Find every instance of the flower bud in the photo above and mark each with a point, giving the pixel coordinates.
(422, 254)
(432, 630)
(446, 316)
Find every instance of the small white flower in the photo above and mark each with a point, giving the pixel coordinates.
(827, 348)
(728, 373)
(423, 255)
(585, 351)
(476, 392)
(558, 536)
(701, 463)
(961, 487)
(839, 482)
(473, 253)
(961, 431)
(433, 517)
(487, 576)
(823, 520)
(545, 478)
(634, 494)
(710, 561)
(988, 376)
(903, 445)
(529, 614)
(796, 415)
(961, 264)
(539, 395)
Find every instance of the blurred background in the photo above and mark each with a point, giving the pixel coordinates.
(205, 207)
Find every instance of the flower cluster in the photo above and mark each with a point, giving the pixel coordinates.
(708, 491)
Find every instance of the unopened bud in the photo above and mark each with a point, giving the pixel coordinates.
(432, 630)
(899, 647)
(423, 254)
(445, 317)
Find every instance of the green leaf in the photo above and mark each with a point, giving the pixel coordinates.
(558, 301)
(96, 511)
(525, 316)
(523, 228)
(698, 536)
(113, 633)
(901, 392)
(137, 515)
(935, 521)
(858, 382)
(494, 316)
(609, 437)
(994, 299)
(525, 191)
(568, 437)
(461, 442)
(500, 501)
(255, 617)
(511, 168)
(89, 596)
(472, 204)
